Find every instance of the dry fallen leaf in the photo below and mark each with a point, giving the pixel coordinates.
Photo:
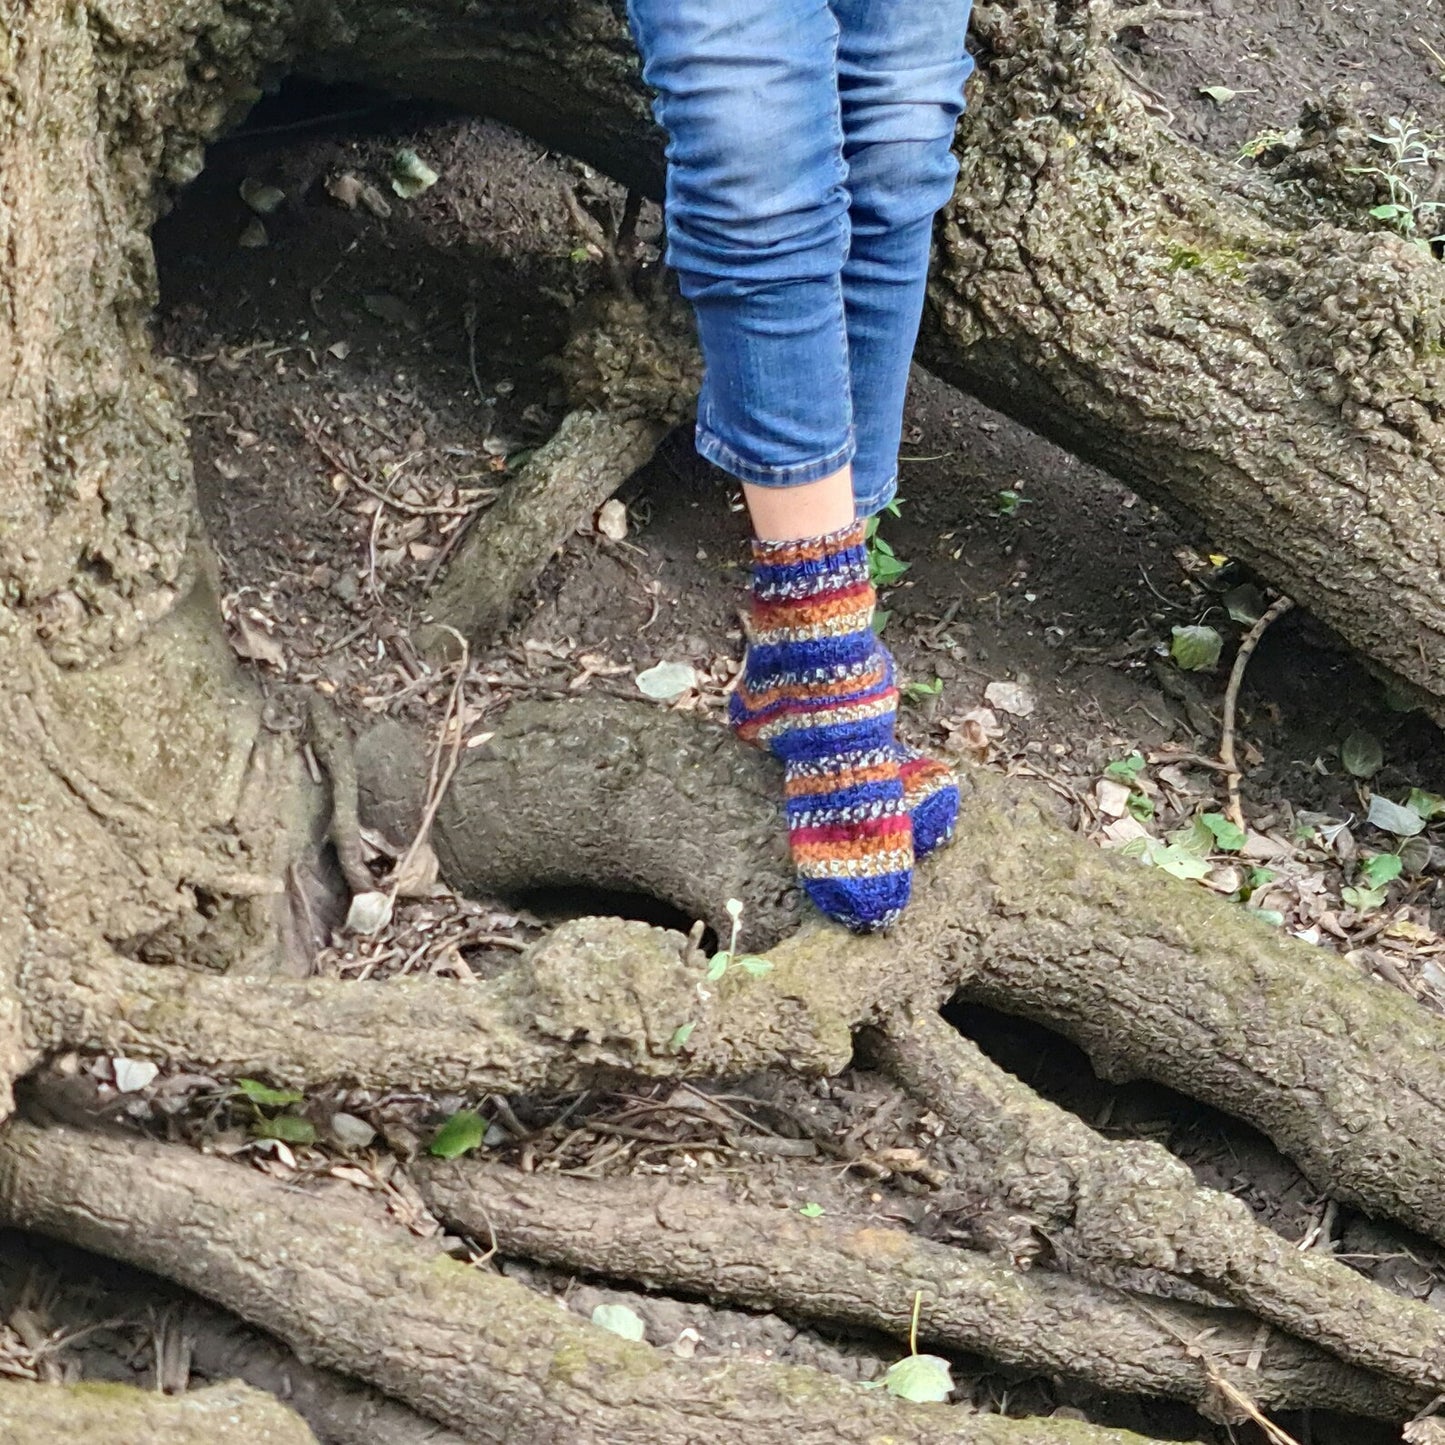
(257, 645)
(417, 874)
(1112, 797)
(1011, 697)
(612, 520)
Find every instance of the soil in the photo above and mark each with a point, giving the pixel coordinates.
(362, 385)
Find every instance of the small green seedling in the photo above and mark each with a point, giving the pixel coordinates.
(265, 1124)
(750, 963)
(885, 567)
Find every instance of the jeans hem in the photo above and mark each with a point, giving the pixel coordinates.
(873, 502)
(712, 448)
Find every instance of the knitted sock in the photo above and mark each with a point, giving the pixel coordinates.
(930, 793)
(818, 692)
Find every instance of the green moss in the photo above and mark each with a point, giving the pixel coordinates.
(1223, 260)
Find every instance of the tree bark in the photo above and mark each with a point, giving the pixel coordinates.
(852, 1272)
(230, 1414)
(480, 1353)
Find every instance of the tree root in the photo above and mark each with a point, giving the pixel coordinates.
(230, 1414)
(1104, 1205)
(1152, 978)
(191, 1340)
(566, 479)
(603, 801)
(679, 1237)
(478, 1352)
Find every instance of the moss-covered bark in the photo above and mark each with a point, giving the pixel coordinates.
(472, 1349)
(230, 1414)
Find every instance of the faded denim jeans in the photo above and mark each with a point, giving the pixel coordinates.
(809, 150)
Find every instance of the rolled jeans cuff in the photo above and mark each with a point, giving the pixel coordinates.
(872, 501)
(712, 448)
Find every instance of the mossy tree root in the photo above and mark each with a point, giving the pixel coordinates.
(480, 1353)
(1107, 1207)
(229, 1414)
(852, 1272)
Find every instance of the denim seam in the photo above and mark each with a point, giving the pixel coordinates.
(712, 448)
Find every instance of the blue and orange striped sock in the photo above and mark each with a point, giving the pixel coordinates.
(818, 692)
(930, 793)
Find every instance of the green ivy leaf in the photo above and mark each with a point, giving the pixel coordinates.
(462, 1133)
(1363, 900)
(1125, 770)
(289, 1128)
(810, 1210)
(266, 1096)
(1361, 754)
(923, 1379)
(1381, 868)
(1228, 837)
(1196, 649)
(1428, 805)
(620, 1320)
(1140, 806)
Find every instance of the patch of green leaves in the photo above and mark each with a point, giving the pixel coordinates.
(885, 566)
(462, 1133)
(922, 691)
(1380, 869)
(289, 1128)
(1228, 836)
(1174, 859)
(1428, 805)
(1363, 900)
(1125, 770)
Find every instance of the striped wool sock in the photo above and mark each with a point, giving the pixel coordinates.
(930, 793)
(818, 692)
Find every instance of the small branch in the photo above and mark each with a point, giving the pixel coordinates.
(1276, 610)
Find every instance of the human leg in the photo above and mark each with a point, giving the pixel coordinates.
(758, 233)
(901, 72)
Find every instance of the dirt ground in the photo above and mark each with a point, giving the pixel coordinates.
(365, 373)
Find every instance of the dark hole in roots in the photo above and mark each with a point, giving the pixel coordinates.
(297, 106)
(557, 904)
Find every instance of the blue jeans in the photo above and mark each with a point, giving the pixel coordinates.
(809, 150)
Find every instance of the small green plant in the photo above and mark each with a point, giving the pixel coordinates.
(750, 963)
(922, 691)
(1267, 140)
(1411, 156)
(885, 567)
(1009, 502)
(266, 1123)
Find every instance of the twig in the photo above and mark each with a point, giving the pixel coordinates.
(1277, 609)
(438, 779)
